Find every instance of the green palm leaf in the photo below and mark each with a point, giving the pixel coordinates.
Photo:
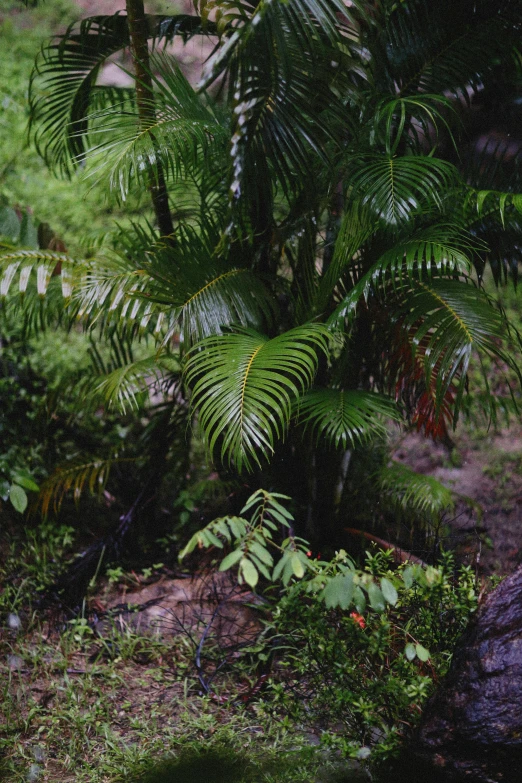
(163, 294)
(346, 418)
(21, 267)
(133, 383)
(410, 121)
(277, 64)
(36, 286)
(63, 89)
(186, 134)
(244, 385)
(442, 249)
(451, 319)
(396, 188)
(410, 492)
(443, 46)
(446, 321)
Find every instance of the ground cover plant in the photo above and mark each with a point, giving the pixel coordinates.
(347, 658)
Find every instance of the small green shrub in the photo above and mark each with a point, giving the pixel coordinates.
(361, 679)
(357, 651)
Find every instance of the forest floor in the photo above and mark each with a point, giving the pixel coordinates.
(486, 468)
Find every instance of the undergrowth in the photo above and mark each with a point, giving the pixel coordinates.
(344, 662)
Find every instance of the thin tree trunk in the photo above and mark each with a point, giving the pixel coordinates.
(144, 96)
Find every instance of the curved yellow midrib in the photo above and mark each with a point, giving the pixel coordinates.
(243, 390)
(214, 281)
(448, 307)
(392, 184)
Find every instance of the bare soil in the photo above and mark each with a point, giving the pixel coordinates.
(486, 468)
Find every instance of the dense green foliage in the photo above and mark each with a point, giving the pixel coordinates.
(332, 220)
(356, 651)
(24, 178)
(364, 679)
(320, 214)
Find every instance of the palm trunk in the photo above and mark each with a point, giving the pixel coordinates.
(144, 93)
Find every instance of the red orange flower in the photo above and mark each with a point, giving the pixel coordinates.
(359, 619)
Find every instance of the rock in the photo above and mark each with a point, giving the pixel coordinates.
(472, 726)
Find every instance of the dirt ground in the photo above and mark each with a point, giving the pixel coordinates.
(485, 467)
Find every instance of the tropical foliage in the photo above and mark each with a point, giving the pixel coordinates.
(330, 224)
(355, 651)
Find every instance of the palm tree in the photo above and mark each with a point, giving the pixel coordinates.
(323, 220)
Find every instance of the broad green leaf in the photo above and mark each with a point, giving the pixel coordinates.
(262, 553)
(189, 547)
(288, 570)
(297, 566)
(213, 539)
(410, 651)
(280, 565)
(332, 593)
(422, 653)
(26, 482)
(18, 498)
(339, 591)
(359, 600)
(261, 567)
(346, 591)
(376, 597)
(249, 572)
(433, 576)
(230, 560)
(389, 592)
(407, 577)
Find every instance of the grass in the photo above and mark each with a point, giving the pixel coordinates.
(72, 714)
(79, 707)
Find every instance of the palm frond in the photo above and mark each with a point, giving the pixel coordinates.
(36, 287)
(131, 385)
(162, 293)
(415, 493)
(442, 249)
(421, 46)
(442, 323)
(411, 122)
(356, 228)
(396, 188)
(19, 268)
(449, 320)
(63, 89)
(346, 418)
(79, 474)
(277, 64)
(494, 199)
(185, 135)
(243, 386)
